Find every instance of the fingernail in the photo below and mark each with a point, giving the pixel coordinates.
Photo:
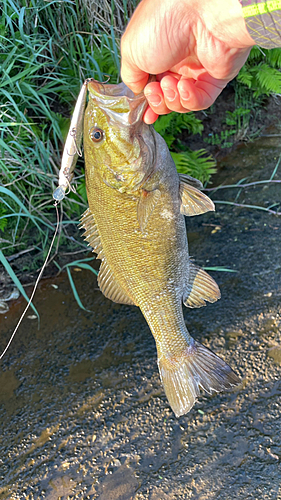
(169, 94)
(184, 95)
(154, 99)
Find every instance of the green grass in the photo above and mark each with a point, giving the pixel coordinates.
(44, 59)
(47, 49)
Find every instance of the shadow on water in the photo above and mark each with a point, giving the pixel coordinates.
(83, 414)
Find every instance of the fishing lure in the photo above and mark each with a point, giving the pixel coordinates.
(72, 148)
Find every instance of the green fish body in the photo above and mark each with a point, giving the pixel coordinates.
(135, 223)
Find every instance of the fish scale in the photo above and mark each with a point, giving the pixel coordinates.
(135, 224)
(126, 237)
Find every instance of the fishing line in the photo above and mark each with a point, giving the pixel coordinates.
(35, 286)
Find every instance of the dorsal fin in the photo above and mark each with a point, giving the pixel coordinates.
(201, 287)
(108, 284)
(91, 234)
(193, 202)
(187, 179)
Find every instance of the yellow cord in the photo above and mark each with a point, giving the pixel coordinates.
(261, 8)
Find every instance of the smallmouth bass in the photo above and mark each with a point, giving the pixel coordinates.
(135, 224)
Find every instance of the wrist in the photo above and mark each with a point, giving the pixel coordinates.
(224, 19)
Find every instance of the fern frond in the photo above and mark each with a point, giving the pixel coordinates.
(195, 163)
(163, 123)
(256, 55)
(273, 57)
(269, 78)
(190, 122)
(174, 123)
(245, 76)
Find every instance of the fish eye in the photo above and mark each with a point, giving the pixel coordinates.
(96, 134)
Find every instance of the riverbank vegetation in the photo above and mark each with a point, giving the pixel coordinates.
(47, 49)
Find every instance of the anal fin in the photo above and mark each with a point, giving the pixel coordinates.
(201, 287)
(110, 287)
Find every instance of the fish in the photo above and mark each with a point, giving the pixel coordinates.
(135, 224)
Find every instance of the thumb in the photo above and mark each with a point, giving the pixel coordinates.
(133, 77)
(227, 65)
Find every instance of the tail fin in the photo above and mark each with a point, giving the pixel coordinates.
(195, 367)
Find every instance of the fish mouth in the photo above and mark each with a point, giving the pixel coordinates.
(108, 90)
(118, 102)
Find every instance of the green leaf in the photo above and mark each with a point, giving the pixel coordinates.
(163, 123)
(16, 280)
(269, 78)
(75, 293)
(195, 163)
(82, 263)
(273, 57)
(256, 54)
(220, 269)
(21, 205)
(3, 223)
(245, 77)
(171, 125)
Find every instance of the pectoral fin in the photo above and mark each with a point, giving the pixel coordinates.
(146, 204)
(201, 287)
(193, 202)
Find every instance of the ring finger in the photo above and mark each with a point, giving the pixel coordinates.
(171, 94)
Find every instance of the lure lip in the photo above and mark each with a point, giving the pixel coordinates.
(59, 193)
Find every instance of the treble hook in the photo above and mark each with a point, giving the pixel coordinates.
(73, 133)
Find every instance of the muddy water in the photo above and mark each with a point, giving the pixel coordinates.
(83, 414)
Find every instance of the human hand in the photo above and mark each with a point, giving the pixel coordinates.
(194, 47)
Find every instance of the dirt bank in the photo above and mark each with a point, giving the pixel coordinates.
(83, 414)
